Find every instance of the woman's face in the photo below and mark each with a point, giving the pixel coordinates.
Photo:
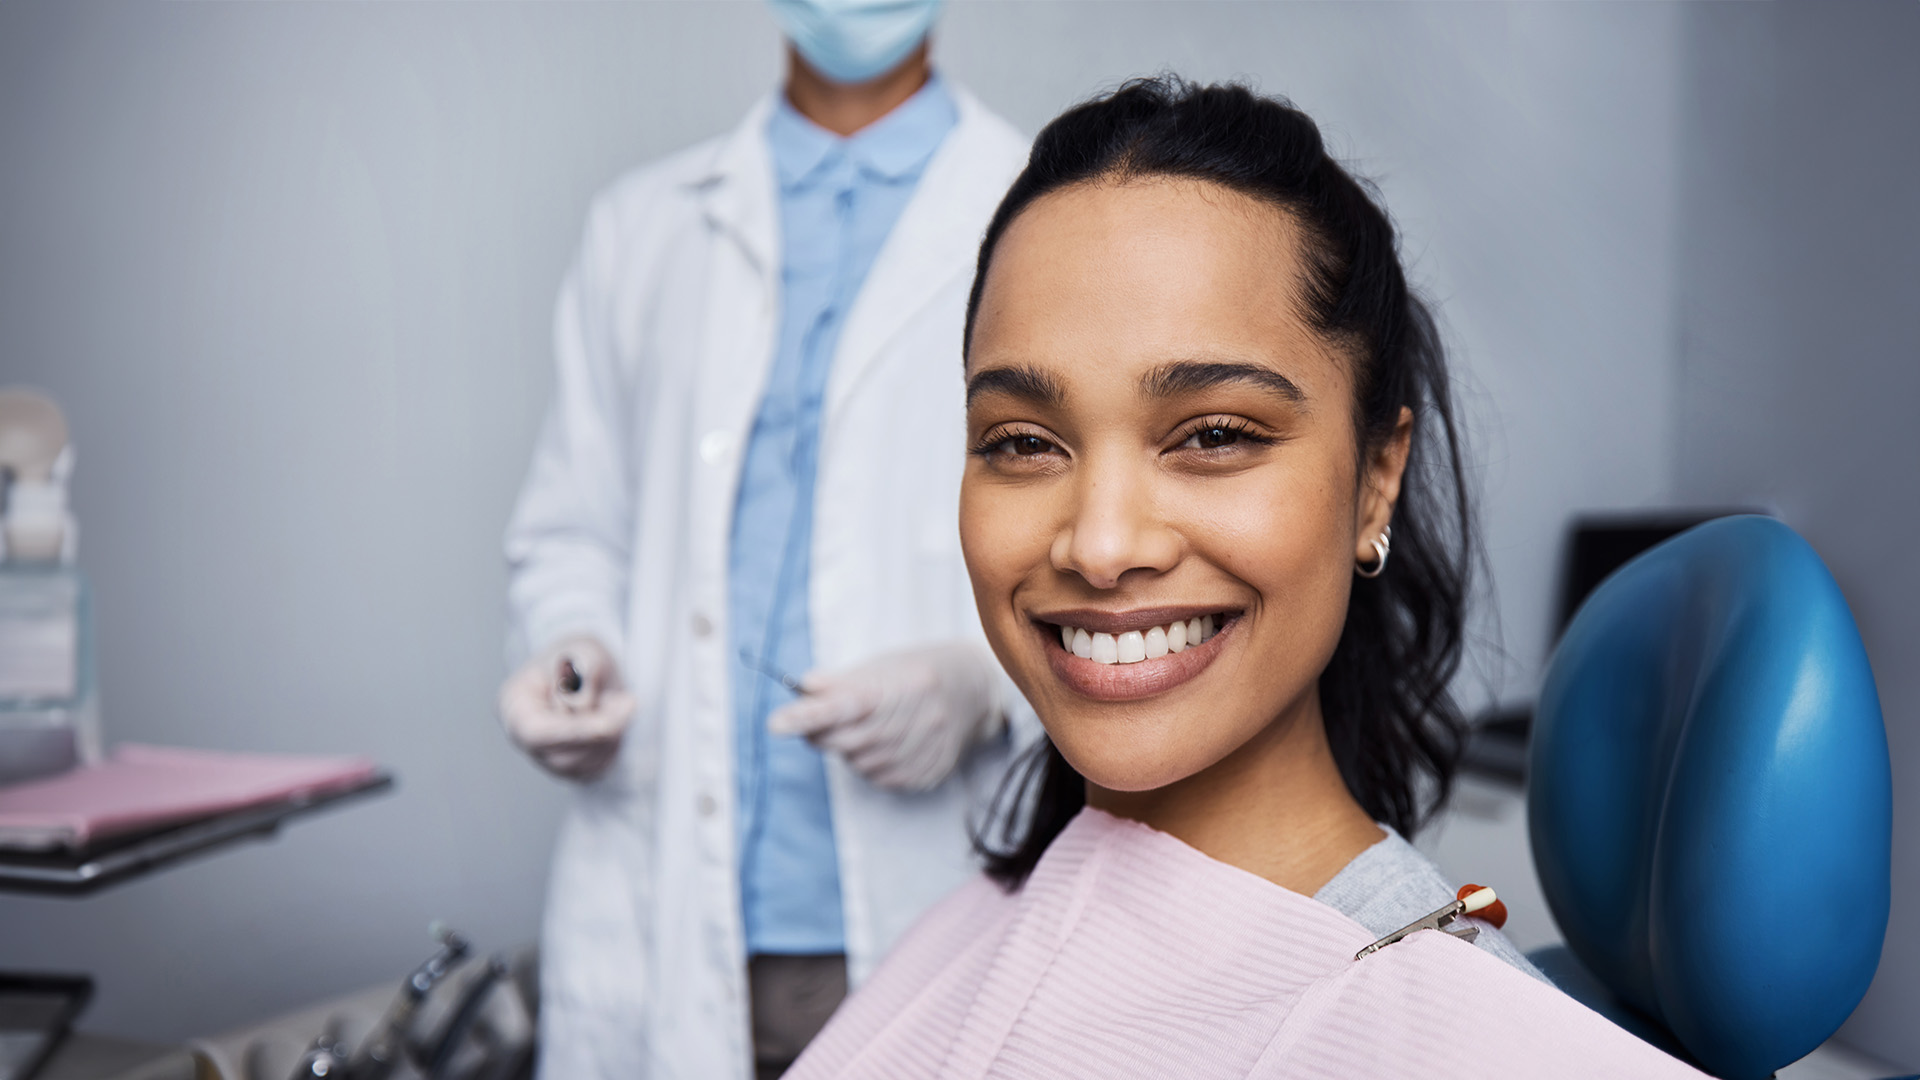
(1164, 501)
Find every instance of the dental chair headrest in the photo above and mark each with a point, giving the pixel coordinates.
(1710, 798)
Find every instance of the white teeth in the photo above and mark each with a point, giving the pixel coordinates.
(1134, 646)
(1105, 649)
(1156, 643)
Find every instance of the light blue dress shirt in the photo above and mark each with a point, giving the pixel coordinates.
(839, 198)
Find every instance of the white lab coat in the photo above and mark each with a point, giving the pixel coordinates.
(665, 332)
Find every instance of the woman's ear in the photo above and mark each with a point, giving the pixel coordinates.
(1385, 465)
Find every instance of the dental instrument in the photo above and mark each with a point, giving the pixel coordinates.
(1441, 919)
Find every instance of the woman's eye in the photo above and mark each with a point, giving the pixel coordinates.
(1016, 446)
(1226, 435)
(1215, 437)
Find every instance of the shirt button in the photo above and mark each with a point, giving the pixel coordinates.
(702, 626)
(714, 446)
(705, 804)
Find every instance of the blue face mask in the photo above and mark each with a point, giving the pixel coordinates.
(854, 41)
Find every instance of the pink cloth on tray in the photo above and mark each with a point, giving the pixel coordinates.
(144, 787)
(1130, 954)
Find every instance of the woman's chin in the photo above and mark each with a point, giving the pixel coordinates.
(1129, 771)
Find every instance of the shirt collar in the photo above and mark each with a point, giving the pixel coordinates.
(895, 146)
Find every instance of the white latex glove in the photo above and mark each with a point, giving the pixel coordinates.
(568, 708)
(903, 720)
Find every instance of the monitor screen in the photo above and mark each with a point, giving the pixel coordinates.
(1599, 545)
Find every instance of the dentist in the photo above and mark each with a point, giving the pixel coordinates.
(751, 468)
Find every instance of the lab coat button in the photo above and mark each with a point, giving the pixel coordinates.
(705, 804)
(702, 626)
(714, 446)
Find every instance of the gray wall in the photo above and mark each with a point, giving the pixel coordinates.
(1800, 360)
(289, 268)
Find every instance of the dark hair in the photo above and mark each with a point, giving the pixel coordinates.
(1394, 728)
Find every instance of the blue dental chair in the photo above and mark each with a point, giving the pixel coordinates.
(1710, 802)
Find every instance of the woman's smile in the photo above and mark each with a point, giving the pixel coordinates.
(1123, 656)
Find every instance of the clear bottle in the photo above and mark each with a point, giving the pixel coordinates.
(49, 705)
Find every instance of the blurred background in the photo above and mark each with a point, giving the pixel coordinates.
(289, 268)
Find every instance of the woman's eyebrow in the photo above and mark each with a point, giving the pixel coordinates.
(1027, 383)
(1187, 376)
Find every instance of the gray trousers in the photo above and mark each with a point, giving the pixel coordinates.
(791, 997)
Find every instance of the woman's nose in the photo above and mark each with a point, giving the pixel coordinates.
(1113, 530)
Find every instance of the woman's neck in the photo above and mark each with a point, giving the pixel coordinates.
(1276, 807)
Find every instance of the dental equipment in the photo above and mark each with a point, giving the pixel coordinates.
(771, 671)
(383, 1051)
(1441, 919)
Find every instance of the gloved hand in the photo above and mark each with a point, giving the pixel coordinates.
(568, 708)
(903, 720)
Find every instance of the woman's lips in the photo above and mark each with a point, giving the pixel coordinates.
(1129, 682)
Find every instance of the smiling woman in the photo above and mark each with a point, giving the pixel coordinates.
(1202, 392)
(1214, 517)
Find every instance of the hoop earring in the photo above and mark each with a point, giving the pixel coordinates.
(1382, 547)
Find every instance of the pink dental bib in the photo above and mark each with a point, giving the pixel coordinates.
(1130, 954)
